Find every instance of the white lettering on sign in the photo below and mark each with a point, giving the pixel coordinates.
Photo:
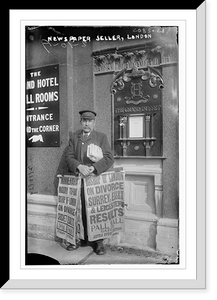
(30, 84)
(49, 128)
(42, 97)
(41, 117)
(47, 82)
(46, 97)
(29, 99)
(35, 74)
(44, 128)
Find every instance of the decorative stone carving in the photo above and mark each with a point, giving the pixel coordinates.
(140, 89)
(139, 58)
(152, 75)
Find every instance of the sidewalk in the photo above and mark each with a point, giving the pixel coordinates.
(86, 256)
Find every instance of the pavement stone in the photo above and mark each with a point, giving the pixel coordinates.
(86, 255)
(124, 255)
(55, 250)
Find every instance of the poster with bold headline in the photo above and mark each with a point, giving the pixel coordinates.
(104, 196)
(69, 223)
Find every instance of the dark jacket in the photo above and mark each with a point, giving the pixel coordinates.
(76, 152)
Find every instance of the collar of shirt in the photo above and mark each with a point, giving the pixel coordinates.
(86, 134)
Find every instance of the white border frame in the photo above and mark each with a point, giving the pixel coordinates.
(192, 275)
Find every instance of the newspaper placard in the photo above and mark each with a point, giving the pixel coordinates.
(69, 223)
(104, 197)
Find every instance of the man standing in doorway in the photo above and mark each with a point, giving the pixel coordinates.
(88, 153)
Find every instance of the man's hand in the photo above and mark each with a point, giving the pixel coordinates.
(91, 169)
(84, 170)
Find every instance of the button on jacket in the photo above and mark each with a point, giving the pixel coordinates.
(76, 152)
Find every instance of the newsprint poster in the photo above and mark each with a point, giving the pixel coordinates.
(104, 198)
(68, 222)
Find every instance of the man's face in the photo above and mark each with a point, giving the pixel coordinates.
(87, 124)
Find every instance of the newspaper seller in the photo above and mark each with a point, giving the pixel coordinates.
(88, 153)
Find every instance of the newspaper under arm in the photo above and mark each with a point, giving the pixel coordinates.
(94, 152)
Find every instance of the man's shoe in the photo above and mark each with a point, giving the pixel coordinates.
(100, 250)
(68, 246)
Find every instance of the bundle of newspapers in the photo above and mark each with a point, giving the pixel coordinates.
(94, 152)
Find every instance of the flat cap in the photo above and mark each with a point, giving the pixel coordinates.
(87, 114)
